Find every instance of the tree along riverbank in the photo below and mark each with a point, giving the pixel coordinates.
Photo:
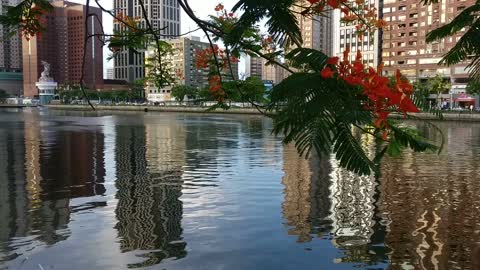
(448, 116)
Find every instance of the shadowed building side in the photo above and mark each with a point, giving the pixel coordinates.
(62, 46)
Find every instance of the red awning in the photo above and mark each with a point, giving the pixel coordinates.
(464, 98)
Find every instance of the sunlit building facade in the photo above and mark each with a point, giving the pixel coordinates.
(163, 15)
(345, 36)
(317, 30)
(404, 45)
(62, 46)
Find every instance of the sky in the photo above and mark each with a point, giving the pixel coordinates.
(202, 9)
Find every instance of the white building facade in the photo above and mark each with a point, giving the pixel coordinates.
(162, 14)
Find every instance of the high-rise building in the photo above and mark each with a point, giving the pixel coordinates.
(253, 67)
(62, 46)
(316, 30)
(183, 67)
(404, 46)
(10, 55)
(10, 47)
(273, 73)
(345, 36)
(164, 15)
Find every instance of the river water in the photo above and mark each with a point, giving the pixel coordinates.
(193, 191)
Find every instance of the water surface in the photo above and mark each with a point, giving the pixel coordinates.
(193, 191)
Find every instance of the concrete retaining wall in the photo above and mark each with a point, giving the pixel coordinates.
(155, 109)
(474, 117)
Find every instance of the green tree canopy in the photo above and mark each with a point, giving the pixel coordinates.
(3, 95)
(473, 87)
(180, 91)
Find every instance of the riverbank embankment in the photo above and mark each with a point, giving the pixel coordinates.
(448, 116)
(182, 109)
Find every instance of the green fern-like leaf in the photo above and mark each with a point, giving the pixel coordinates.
(468, 47)
(404, 137)
(349, 152)
(281, 22)
(306, 58)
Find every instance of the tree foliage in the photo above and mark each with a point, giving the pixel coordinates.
(323, 102)
(180, 91)
(467, 47)
(3, 95)
(473, 87)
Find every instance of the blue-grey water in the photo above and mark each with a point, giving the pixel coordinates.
(91, 191)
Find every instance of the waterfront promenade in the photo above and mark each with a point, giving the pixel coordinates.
(448, 116)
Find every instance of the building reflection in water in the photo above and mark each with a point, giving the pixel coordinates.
(149, 181)
(432, 205)
(34, 197)
(422, 213)
(306, 206)
(323, 200)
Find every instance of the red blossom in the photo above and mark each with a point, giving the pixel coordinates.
(332, 61)
(327, 73)
(333, 3)
(219, 7)
(382, 96)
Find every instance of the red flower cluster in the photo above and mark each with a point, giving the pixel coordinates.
(206, 58)
(215, 87)
(383, 96)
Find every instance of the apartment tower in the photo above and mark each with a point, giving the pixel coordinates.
(182, 64)
(10, 46)
(345, 36)
(253, 67)
(162, 14)
(316, 31)
(10, 55)
(404, 45)
(62, 46)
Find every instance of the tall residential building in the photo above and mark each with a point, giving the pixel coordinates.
(10, 47)
(273, 73)
(10, 56)
(253, 67)
(162, 14)
(183, 65)
(316, 31)
(345, 36)
(404, 45)
(62, 46)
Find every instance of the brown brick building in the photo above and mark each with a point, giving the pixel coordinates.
(404, 45)
(61, 45)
